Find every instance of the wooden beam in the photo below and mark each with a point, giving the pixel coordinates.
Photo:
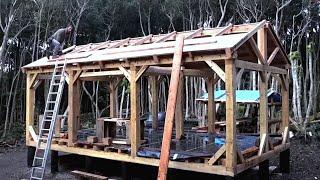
(273, 55)
(37, 83)
(102, 45)
(30, 106)
(143, 40)
(285, 135)
(74, 108)
(240, 156)
(120, 43)
(102, 73)
(154, 101)
(231, 154)
(195, 34)
(33, 80)
(113, 98)
(263, 84)
(125, 72)
(141, 71)
(285, 102)
(135, 114)
(224, 30)
(179, 119)
(254, 46)
(259, 67)
(217, 155)
(211, 106)
(76, 76)
(67, 78)
(33, 134)
(172, 97)
(166, 37)
(157, 70)
(284, 82)
(250, 34)
(217, 70)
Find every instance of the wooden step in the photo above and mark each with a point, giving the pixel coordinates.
(81, 174)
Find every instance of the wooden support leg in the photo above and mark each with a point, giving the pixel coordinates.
(172, 97)
(285, 103)
(264, 170)
(179, 121)
(154, 101)
(134, 119)
(30, 105)
(231, 154)
(74, 108)
(54, 162)
(31, 151)
(124, 171)
(211, 106)
(285, 161)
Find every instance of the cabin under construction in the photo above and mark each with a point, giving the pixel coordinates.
(215, 54)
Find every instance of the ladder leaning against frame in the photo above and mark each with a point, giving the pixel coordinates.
(51, 112)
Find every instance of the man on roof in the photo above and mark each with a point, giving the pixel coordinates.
(57, 40)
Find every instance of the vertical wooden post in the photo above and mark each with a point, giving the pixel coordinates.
(263, 115)
(134, 106)
(172, 98)
(31, 151)
(285, 103)
(74, 108)
(30, 105)
(211, 106)
(154, 101)
(231, 153)
(179, 119)
(54, 161)
(113, 96)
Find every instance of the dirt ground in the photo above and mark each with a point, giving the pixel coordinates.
(305, 164)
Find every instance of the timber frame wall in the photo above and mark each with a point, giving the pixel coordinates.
(258, 50)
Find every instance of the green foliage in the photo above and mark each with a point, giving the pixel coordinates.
(295, 56)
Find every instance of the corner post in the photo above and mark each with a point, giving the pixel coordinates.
(113, 96)
(154, 101)
(74, 108)
(285, 103)
(30, 105)
(263, 117)
(134, 106)
(231, 153)
(211, 106)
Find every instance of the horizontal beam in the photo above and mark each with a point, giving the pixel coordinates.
(135, 62)
(259, 67)
(157, 70)
(196, 167)
(102, 73)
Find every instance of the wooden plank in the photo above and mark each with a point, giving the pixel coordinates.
(216, 69)
(217, 155)
(120, 43)
(273, 55)
(30, 106)
(76, 76)
(141, 71)
(33, 80)
(157, 70)
(211, 106)
(231, 154)
(263, 88)
(285, 103)
(33, 134)
(172, 97)
(154, 101)
(113, 96)
(179, 119)
(240, 156)
(102, 45)
(125, 72)
(134, 105)
(259, 67)
(74, 109)
(196, 33)
(102, 73)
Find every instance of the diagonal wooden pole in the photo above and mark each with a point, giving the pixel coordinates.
(172, 98)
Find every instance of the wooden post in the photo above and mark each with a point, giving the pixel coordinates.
(30, 105)
(285, 103)
(74, 108)
(179, 121)
(172, 97)
(31, 151)
(231, 153)
(154, 100)
(54, 161)
(263, 115)
(134, 106)
(211, 106)
(113, 96)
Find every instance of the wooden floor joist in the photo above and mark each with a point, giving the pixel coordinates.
(172, 97)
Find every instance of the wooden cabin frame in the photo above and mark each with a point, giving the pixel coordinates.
(214, 54)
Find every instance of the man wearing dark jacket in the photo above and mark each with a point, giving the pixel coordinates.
(56, 41)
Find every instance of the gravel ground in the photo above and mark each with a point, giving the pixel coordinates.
(305, 164)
